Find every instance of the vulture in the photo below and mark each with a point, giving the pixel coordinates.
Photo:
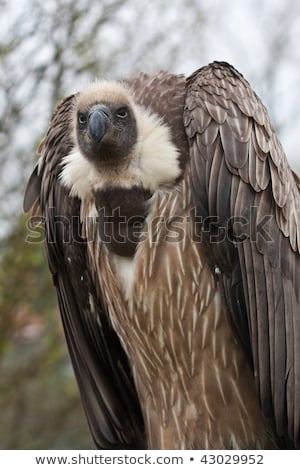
(172, 232)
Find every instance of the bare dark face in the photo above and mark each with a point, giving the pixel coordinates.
(106, 132)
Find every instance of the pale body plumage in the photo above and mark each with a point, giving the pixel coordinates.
(164, 348)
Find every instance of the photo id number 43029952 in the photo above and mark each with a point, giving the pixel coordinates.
(231, 459)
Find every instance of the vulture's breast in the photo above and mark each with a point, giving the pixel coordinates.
(195, 387)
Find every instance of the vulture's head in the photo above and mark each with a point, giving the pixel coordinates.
(106, 127)
(117, 144)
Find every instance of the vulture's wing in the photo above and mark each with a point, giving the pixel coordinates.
(244, 187)
(99, 362)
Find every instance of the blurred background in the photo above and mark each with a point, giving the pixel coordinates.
(49, 49)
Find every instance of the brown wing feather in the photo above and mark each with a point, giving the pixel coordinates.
(100, 364)
(240, 174)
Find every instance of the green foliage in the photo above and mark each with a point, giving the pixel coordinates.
(39, 401)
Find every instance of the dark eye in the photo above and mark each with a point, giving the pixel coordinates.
(82, 118)
(122, 113)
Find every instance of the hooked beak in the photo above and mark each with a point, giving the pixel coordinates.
(99, 121)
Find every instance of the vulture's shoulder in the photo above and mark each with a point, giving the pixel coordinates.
(56, 143)
(163, 93)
